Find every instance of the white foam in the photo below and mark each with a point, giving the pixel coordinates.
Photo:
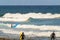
(43, 27)
(24, 17)
(33, 15)
(30, 30)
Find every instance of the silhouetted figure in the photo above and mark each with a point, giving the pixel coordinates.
(23, 36)
(53, 36)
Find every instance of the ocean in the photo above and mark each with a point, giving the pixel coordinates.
(37, 22)
(27, 9)
(33, 9)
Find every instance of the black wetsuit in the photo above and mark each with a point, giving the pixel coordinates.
(23, 36)
(53, 36)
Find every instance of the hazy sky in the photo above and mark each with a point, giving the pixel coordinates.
(29, 2)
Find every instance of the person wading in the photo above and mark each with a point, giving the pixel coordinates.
(53, 36)
(22, 36)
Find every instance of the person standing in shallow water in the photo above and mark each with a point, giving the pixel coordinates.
(22, 36)
(53, 37)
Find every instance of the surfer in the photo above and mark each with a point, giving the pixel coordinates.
(53, 36)
(22, 36)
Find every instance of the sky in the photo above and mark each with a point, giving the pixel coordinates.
(29, 2)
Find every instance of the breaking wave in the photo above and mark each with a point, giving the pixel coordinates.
(32, 15)
(32, 18)
(35, 23)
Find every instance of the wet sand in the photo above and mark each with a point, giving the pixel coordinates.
(42, 38)
(33, 38)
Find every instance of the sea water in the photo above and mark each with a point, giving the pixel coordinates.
(35, 21)
(27, 9)
(33, 9)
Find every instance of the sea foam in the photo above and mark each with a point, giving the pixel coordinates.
(25, 17)
(33, 15)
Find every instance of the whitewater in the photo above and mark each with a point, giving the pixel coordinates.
(32, 24)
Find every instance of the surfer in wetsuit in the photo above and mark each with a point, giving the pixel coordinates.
(22, 36)
(53, 36)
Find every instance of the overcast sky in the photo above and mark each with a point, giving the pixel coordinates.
(29, 2)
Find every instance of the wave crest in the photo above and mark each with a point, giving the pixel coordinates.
(24, 17)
